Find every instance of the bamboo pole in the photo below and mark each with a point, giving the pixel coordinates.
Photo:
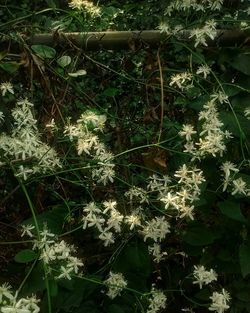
(119, 40)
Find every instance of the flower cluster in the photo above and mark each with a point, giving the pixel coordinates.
(182, 80)
(115, 283)
(196, 5)
(211, 137)
(156, 252)
(238, 185)
(157, 301)
(158, 183)
(202, 276)
(137, 193)
(181, 196)
(58, 255)
(220, 301)
(156, 229)
(204, 70)
(88, 142)
(107, 221)
(10, 302)
(84, 5)
(24, 144)
(201, 34)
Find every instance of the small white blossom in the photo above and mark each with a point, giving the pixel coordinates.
(116, 283)
(155, 250)
(220, 301)
(239, 186)
(6, 87)
(5, 292)
(164, 28)
(85, 5)
(157, 301)
(107, 237)
(187, 131)
(1, 117)
(65, 273)
(133, 220)
(26, 230)
(156, 229)
(247, 113)
(202, 276)
(205, 70)
(201, 34)
(182, 80)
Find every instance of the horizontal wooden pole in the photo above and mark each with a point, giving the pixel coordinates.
(118, 40)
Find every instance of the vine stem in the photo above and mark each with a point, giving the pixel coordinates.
(162, 94)
(32, 209)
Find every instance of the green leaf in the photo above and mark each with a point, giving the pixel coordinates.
(64, 61)
(25, 256)
(10, 67)
(237, 125)
(43, 51)
(199, 236)
(3, 54)
(111, 92)
(232, 210)
(54, 219)
(35, 281)
(244, 258)
(135, 263)
(242, 63)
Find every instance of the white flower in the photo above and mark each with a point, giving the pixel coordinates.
(204, 70)
(155, 250)
(164, 28)
(220, 96)
(74, 263)
(220, 301)
(201, 34)
(138, 193)
(107, 237)
(24, 172)
(186, 211)
(1, 117)
(51, 125)
(93, 220)
(133, 220)
(115, 221)
(202, 276)
(187, 131)
(26, 230)
(116, 283)
(85, 5)
(91, 208)
(157, 301)
(5, 292)
(30, 303)
(239, 186)
(182, 80)
(156, 229)
(215, 4)
(247, 113)
(109, 205)
(6, 87)
(65, 272)
(170, 200)
(227, 168)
